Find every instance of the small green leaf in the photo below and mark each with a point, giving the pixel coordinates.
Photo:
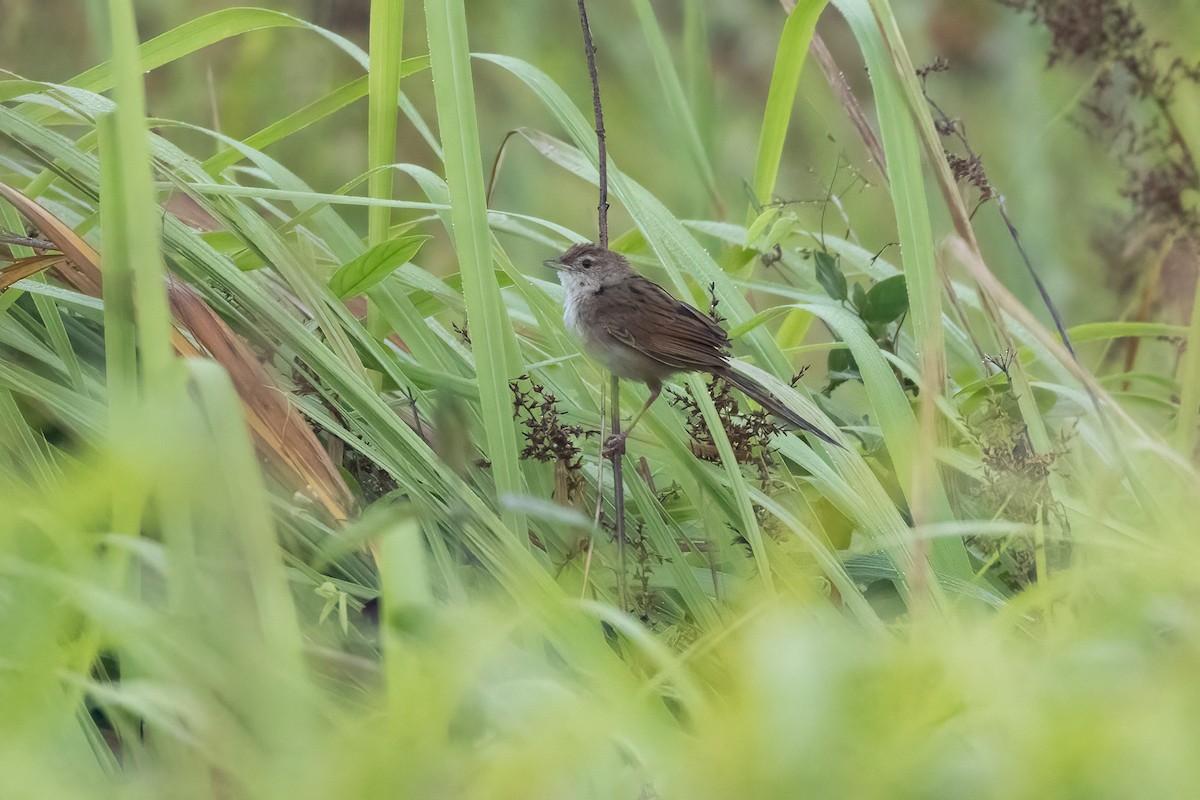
(858, 298)
(374, 265)
(829, 275)
(887, 301)
(760, 225)
(784, 227)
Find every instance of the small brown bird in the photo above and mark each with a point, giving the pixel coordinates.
(640, 332)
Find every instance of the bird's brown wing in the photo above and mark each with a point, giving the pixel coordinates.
(665, 329)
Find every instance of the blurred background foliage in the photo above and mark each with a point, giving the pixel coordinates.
(1022, 118)
(174, 625)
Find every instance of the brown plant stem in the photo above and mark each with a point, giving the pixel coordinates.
(602, 157)
(618, 493)
(589, 49)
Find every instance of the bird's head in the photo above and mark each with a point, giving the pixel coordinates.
(591, 264)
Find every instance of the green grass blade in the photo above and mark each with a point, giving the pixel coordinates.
(497, 357)
(132, 252)
(204, 31)
(915, 228)
(785, 78)
(387, 36)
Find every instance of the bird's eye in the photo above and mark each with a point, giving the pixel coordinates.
(586, 262)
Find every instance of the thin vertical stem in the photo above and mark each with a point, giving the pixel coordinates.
(618, 493)
(589, 49)
(602, 157)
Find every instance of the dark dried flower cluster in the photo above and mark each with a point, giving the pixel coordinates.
(967, 168)
(713, 302)
(1015, 486)
(1129, 104)
(1104, 31)
(646, 601)
(749, 432)
(547, 437)
(940, 64)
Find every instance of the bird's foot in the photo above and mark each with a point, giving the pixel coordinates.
(614, 447)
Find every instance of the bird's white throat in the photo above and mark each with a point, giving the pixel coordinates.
(576, 287)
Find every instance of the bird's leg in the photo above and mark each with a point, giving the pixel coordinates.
(615, 446)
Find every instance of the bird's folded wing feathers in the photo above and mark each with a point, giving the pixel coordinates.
(669, 331)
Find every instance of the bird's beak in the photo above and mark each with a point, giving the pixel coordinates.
(555, 264)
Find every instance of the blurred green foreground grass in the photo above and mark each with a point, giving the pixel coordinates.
(304, 497)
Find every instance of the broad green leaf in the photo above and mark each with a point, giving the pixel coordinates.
(374, 265)
(886, 301)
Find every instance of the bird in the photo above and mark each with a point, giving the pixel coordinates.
(640, 332)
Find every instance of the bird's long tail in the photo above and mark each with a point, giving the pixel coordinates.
(762, 395)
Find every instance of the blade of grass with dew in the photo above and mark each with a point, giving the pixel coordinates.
(498, 359)
(785, 78)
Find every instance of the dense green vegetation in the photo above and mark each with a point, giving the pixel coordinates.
(302, 487)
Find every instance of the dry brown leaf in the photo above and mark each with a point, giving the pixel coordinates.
(24, 267)
(282, 437)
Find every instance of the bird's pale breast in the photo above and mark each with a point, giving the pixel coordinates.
(586, 315)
